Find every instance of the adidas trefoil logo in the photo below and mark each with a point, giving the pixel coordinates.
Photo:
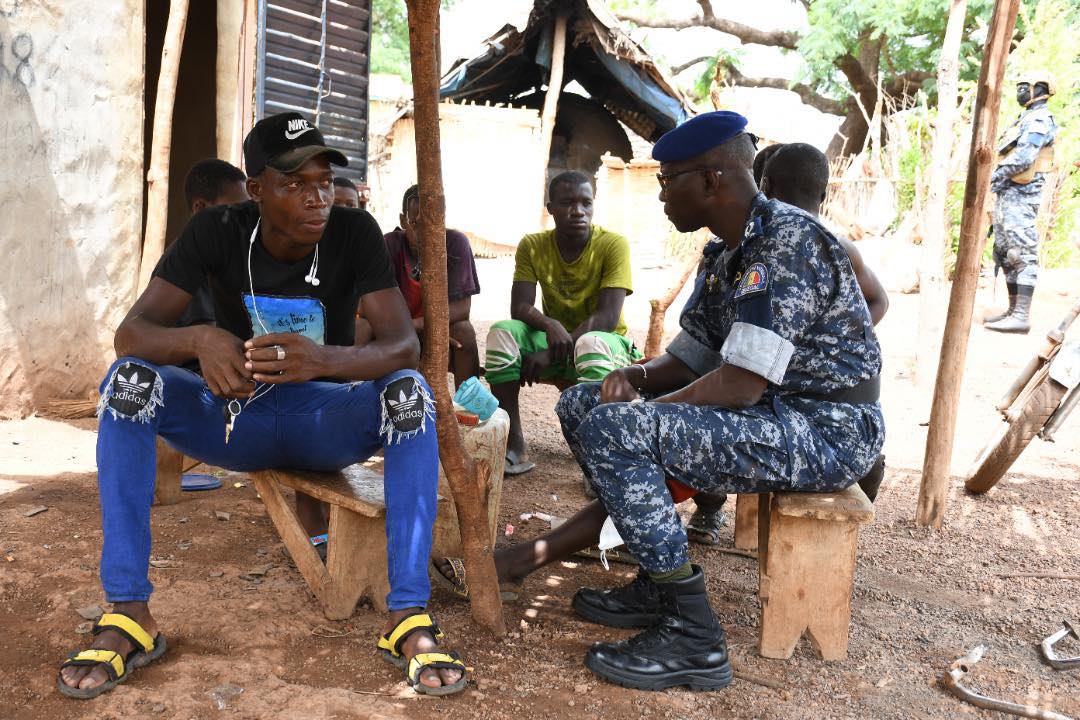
(132, 383)
(406, 406)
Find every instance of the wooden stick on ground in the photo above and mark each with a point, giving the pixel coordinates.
(467, 479)
(937, 462)
(157, 176)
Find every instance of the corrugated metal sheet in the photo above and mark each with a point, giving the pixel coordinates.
(313, 58)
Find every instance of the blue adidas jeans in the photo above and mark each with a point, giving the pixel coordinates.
(313, 426)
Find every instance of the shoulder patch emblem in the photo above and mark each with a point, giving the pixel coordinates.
(754, 280)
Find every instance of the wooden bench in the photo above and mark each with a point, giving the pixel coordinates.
(171, 465)
(356, 546)
(806, 560)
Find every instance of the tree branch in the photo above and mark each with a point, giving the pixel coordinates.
(805, 92)
(745, 33)
(690, 63)
(907, 83)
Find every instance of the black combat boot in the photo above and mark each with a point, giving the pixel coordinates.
(686, 646)
(1017, 320)
(631, 606)
(872, 480)
(1012, 304)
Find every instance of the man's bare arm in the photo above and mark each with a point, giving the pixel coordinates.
(148, 332)
(727, 386)
(872, 289)
(394, 345)
(609, 306)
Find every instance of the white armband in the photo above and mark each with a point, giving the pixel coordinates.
(758, 350)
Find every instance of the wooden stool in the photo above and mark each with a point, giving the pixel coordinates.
(746, 522)
(171, 465)
(356, 545)
(807, 564)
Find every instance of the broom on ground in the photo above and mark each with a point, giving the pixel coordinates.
(69, 408)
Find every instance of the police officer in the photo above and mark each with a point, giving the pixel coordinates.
(1026, 155)
(793, 405)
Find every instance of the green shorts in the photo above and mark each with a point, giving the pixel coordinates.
(596, 354)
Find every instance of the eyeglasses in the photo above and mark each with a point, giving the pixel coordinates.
(665, 178)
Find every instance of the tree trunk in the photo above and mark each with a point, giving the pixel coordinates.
(551, 101)
(467, 479)
(157, 176)
(934, 489)
(935, 220)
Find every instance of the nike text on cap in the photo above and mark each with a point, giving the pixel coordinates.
(285, 142)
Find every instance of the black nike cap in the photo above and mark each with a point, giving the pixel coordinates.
(284, 142)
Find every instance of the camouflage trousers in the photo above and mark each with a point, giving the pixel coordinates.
(1016, 239)
(629, 449)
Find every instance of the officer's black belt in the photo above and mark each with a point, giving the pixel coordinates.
(865, 393)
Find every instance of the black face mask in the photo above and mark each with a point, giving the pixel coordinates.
(1023, 94)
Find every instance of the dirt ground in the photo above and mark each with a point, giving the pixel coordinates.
(921, 598)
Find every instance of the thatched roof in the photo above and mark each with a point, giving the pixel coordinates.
(613, 69)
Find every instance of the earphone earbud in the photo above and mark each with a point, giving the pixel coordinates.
(313, 271)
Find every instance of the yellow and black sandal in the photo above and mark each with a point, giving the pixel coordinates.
(118, 667)
(390, 646)
(390, 643)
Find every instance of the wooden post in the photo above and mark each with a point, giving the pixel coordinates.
(157, 176)
(551, 101)
(659, 306)
(935, 222)
(933, 492)
(467, 479)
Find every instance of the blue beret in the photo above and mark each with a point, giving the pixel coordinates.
(698, 135)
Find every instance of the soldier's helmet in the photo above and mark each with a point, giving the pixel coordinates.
(1038, 76)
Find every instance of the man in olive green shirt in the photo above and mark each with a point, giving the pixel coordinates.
(584, 276)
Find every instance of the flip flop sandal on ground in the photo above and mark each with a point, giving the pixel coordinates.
(118, 667)
(513, 468)
(390, 650)
(455, 582)
(704, 526)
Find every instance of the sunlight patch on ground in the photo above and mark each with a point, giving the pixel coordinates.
(1023, 525)
(39, 447)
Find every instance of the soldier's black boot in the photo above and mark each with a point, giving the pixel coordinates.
(1012, 304)
(1017, 320)
(871, 482)
(630, 606)
(686, 646)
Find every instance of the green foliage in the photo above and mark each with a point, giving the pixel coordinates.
(1049, 43)
(700, 91)
(390, 37)
(911, 33)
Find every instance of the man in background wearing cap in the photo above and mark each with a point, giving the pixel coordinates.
(1027, 154)
(793, 406)
(287, 272)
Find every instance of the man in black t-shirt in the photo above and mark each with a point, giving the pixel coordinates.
(282, 386)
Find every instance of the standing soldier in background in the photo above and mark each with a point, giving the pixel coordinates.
(1026, 155)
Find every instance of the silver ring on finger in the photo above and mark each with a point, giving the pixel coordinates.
(280, 353)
